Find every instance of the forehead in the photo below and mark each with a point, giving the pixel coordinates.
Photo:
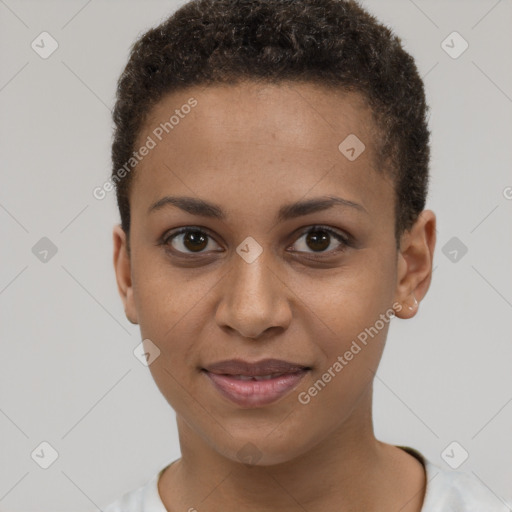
(252, 139)
(307, 115)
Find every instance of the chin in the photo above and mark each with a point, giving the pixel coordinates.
(263, 450)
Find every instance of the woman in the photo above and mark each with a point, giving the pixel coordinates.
(271, 166)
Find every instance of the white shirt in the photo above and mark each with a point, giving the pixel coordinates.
(446, 491)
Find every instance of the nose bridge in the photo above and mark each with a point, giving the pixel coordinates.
(251, 282)
(251, 300)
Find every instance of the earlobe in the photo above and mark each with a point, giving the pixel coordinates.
(414, 267)
(406, 308)
(122, 269)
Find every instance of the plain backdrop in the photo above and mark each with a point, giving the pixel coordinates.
(68, 375)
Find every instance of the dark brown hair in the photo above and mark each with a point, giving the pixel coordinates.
(335, 43)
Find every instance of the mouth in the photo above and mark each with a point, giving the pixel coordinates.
(255, 384)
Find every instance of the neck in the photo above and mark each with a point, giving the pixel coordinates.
(347, 470)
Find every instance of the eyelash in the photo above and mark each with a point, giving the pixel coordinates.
(345, 240)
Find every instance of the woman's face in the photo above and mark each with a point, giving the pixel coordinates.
(256, 281)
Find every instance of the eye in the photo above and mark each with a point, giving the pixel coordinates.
(319, 239)
(195, 240)
(188, 240)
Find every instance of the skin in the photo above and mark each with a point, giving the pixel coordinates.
(251, 148)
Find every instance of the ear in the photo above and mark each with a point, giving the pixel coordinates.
(123, 273)
(414, 268)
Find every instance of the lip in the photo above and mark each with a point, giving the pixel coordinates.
(263, 367)
(225, 376)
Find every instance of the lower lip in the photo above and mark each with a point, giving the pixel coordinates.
(253, 393)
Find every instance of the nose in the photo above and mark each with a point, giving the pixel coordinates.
(254, 300)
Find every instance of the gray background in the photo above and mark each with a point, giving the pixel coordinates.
(68, 375)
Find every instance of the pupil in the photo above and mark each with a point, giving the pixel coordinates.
(196, 239)
(321, 241)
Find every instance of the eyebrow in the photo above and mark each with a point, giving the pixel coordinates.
(204, 208)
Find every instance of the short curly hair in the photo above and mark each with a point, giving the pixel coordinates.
(335, 43)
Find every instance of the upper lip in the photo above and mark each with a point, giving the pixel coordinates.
(263, 367)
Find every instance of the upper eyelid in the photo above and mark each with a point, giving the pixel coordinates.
(181, 230)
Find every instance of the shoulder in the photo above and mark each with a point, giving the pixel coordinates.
(131, 501)
(456, 491)
(142, 499)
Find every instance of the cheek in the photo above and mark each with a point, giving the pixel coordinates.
(343, 383)
(170, 308)
(349, 319)
(164, 297)
(343, 305)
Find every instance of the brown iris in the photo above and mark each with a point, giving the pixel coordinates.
(195, 240)
(317, 241)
